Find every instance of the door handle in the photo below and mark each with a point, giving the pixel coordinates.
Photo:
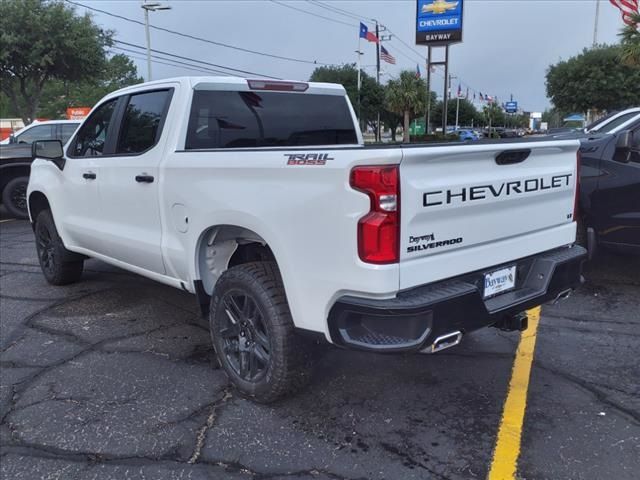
(144, 178)
(89, 175)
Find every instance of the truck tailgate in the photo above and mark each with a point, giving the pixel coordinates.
(469, 207)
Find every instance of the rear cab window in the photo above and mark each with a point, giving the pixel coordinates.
(245, 119)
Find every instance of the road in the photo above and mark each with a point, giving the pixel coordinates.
(114, 378)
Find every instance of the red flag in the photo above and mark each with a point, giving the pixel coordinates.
(628, 8)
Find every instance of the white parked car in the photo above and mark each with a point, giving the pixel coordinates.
(45, 130)
(260, 198)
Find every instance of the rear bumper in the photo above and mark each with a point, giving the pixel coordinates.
(415, 318)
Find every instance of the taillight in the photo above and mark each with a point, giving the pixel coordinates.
(576, 200)
(379, 230)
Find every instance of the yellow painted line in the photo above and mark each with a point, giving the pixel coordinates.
(507, 451)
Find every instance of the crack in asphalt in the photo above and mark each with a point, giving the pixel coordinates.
(600, 396)
(211, 418)
(588, 330)
(588, 320)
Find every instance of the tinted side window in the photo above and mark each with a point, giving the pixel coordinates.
(225, 119)
(42, 132)
(92, 135)
(141, 122)
(66, 130)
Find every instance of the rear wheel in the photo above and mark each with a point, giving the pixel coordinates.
(59, 265)
(14, 197)
(253, 333)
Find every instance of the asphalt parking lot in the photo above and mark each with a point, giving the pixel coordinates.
(114, 378)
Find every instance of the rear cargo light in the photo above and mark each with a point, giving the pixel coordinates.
(576, 200)
(277, 86)
(379, 230)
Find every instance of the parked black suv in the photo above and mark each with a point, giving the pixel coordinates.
(15, 162)
(610, 190)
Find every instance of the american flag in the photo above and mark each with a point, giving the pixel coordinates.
(628, 8)
(386, 56)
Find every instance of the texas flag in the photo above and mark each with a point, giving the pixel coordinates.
(366, 34)
(418, 75)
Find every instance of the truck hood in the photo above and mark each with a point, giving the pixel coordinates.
(17, 151)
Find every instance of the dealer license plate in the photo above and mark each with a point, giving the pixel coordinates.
(499, 281)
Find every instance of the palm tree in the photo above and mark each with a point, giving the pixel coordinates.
(631, 42)
(406, 96)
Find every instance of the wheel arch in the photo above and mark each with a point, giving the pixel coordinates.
(37, 202)
(221, 247)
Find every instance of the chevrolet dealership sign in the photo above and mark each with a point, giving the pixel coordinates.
(438, 22)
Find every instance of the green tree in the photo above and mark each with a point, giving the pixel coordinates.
(466, 115)
(631, 43)
(119, 72)
(595, 79)
(41, 41)
(391, 121)
(406, 96)
(371, 94)
(494, 115)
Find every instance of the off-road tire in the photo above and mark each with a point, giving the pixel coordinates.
(59, 265)
(290, 357)
(14, 197)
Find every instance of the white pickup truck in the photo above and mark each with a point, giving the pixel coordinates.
(261, 199)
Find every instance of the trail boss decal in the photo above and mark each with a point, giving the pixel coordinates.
(427, 242)
(506, 189)
(307, 158)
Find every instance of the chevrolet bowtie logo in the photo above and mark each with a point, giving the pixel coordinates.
(439, 6)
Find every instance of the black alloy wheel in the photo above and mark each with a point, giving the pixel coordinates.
(14, 197)
(245, 336)
(46, 249)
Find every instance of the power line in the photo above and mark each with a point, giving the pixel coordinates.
(196, 60)
(201, 39)
(175, 63)
(333, 9)
(314, 14)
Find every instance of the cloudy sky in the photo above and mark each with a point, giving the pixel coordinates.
(508, 44)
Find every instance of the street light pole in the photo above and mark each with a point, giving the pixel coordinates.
(150, 7)
(148, 35)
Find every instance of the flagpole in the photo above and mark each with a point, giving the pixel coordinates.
(378, 76)
(359, 53)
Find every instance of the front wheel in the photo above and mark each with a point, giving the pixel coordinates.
(59, 265)
(253, 333)
(14, 197)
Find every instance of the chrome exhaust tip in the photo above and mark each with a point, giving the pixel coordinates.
(445, 341)
(562, 296)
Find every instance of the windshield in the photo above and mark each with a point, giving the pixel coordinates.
(613, 124)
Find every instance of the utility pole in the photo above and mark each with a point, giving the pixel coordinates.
(150, 7)
(445, 99)
(427, 117)
(446, 115)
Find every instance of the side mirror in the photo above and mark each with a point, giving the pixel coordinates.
(624, 141)
(624, 144)
(49, 150)
(12, 139)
